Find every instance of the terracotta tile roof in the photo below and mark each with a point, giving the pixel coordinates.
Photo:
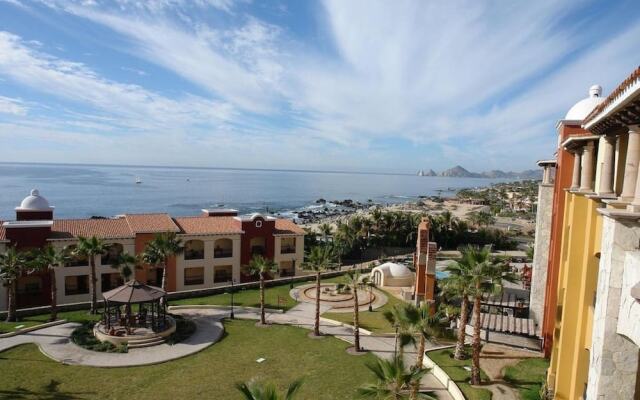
(203, 225)
(287, 227)
(617, 92)
(151, 223)
(100, 228)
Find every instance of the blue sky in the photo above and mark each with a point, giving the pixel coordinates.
(392, 86)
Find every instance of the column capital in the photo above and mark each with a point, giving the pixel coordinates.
(634, 128)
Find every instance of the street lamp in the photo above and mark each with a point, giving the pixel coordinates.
(232, 315)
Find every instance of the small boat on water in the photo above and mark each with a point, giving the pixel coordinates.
(421, 173)
(138, 180)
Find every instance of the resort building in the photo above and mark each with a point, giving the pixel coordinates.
(218, 245)
(591, 317)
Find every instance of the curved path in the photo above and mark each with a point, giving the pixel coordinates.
(55, 343)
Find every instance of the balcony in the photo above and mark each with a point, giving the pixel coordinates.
(258, 251)
(287, 250)
(222, 253)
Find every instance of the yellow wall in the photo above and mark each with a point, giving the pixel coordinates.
(578, 275)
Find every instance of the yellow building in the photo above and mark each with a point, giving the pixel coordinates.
(595, 312)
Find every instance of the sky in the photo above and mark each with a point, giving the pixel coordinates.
(371, 85)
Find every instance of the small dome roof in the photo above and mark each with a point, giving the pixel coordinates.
(34, 202)
(581, 109)
(394, 270)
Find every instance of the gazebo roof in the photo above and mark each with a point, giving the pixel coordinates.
(134, 292)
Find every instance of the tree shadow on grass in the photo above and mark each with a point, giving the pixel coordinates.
(50, 391)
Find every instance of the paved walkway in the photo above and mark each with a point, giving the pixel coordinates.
(55, 343)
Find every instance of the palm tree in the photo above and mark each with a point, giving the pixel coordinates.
(48, 259)
(326, 230)
(158, 251)
(353, 281)
(487, 276)
(12, 265)
(257, 391)
(398, 318)
(426, 325)
(89, 248)
(262, 266)
(458, 283)
(319, 260)
(393, 380)
(125, 264)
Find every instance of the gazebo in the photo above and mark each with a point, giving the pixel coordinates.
(121, 321)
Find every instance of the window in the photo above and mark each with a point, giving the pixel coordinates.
(194, 276)
(111, 281)
(223, 248)
(29, 284)
(257, 246)
(287, 245)
(194, 250)
(76, 285)
(258, 224)
(222, 273)
(111, 255)
(287, 268)
(77, 261)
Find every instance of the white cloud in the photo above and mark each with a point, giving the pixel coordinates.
(475, 83)
(12, 106)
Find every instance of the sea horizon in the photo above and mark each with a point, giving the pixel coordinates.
(98, 190)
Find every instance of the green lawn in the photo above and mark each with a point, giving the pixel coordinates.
(527, 376)
(71, 316)
(455, 369)
(328, 371)
(372, 321)
(251, 297)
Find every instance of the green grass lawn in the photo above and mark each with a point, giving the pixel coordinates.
(372, 321)
(455, 370)
(71, 316)
(251, 297)
(328, 371)
(527, 376)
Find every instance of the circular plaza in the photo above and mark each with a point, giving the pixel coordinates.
(338, 297)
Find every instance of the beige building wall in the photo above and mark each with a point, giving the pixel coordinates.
(209, 262)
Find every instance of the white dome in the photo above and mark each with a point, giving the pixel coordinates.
(395, 270)
(34, 202)
(581, 109)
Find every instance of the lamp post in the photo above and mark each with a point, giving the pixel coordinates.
(232, 315)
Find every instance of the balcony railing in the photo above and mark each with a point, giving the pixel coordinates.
(222, 253)
(287, 250)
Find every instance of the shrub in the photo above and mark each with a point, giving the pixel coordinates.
(184, 329)
(83, 337)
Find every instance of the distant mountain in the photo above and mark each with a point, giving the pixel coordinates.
(461, 172)
(431, 173)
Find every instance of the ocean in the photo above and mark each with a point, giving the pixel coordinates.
(80, 191)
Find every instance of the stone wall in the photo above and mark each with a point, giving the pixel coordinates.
(629, 313)
(613, 363)
(541, 254)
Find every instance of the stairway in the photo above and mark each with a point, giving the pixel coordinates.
(148, 342)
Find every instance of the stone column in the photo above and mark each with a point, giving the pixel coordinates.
(631, 165)
(575, 180)
(607, 146)
(546, 176)
(586, 167)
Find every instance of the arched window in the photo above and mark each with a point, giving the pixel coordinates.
(110, 256)
(194, 250)
(223, 248)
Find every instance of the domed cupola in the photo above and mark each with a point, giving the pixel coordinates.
(581, 109)
(34, 207)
